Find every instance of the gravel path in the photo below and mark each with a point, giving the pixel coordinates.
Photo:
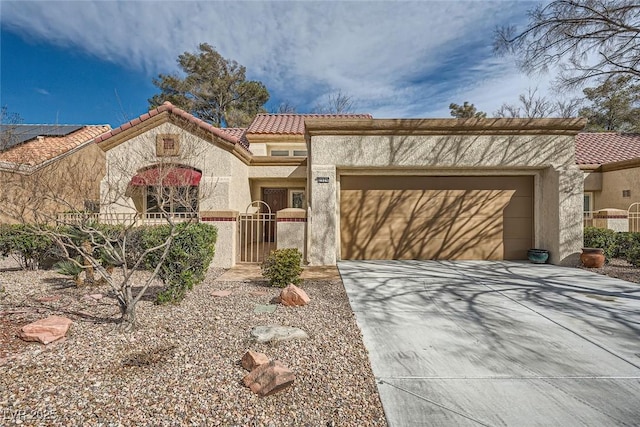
(181, 366)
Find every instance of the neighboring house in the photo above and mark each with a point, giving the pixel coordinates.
(354, 187)
(47, 169)
(611, 165)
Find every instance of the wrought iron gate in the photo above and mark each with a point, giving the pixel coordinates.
(634, 217)
(256, 232)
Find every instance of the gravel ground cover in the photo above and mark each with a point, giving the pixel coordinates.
(181, 366)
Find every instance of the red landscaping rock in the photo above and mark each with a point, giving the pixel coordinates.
(269, 378)
(46, 330)
(53, 298)
(293, 296)
(253, 359)
(221, 293)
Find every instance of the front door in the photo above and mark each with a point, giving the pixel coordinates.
(276, 198)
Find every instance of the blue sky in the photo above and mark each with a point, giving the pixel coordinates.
(92, 62)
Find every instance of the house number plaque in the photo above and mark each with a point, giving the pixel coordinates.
(322, 179)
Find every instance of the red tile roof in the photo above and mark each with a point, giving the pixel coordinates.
(606, 147)
(238, 133)
(41, 149)
(169, 107)
(292, 124)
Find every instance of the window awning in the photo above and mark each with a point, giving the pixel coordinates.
(167, 177)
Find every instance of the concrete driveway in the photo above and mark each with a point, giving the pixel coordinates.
(498, 343)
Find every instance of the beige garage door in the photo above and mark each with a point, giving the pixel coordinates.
(417, 217)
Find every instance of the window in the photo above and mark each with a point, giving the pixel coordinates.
(171, 199)
(280, 153)
(167, 145)
(297, 199)
(300, 153)
(626, 193)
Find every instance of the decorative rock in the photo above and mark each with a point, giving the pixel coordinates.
(96, 296)
(268, 308)
(221, 293)
(293, 296)
(269, 378)
(259, 293)
(53, 298)
(252, 359)
(277, 333)
(46, 330)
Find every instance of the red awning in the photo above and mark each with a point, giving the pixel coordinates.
(167, 177)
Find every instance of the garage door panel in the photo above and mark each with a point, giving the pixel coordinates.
(426, 203)
(516, 248)
(517, 228)
(424, 228)
(436, 217)
(436, 249)
(519, 207)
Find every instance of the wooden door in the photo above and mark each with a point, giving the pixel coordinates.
(276, 198)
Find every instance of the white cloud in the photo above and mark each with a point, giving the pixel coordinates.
(393, 58)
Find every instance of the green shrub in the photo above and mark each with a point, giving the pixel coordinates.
(189, 257)
(633, 256)
(624, 242)
(282, 267)
(32, 248)
(601, 238)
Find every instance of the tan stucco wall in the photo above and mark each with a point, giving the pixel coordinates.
(613, 182)
(558, 206)
(224, 184)
(592, 181)
(62, 185)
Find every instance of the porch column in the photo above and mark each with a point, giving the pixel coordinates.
(559, 224)
(323, 215)
(292, 229)
(226, 223)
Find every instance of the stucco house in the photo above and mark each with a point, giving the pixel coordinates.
(347, 186)
(354, 187)
(611, 165)
(47, 169)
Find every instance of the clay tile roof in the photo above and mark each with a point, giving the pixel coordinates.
(40, 149)
(169, 107)
(606, 147)
(238, 133)
(292, 124)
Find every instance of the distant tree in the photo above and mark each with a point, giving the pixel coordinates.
(589, 39)
(214, 89)
(8, 121)
(285, 107)
(335, 103)
(466, 111)
(615, 105)
(532, 105)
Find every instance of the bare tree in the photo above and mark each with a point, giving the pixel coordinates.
(8, 124)
(534, 106)
(52, 201)
(587, 38)
(285, 107)
(335, 103)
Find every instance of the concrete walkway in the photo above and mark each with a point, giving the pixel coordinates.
(498, 343)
